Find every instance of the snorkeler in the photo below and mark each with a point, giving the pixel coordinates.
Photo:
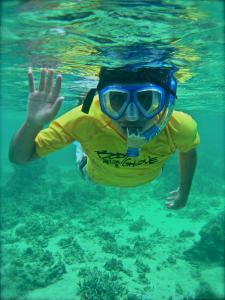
(127, 128)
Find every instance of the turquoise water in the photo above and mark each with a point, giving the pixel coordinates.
(63, 238)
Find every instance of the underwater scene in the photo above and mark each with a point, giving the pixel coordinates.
(67, 238)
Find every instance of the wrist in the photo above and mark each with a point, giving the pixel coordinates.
(31, 123)
(183, 194)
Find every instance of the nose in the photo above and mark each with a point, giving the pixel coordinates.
(131, 113)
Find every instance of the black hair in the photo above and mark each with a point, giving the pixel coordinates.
(155, 75)
(107, 76)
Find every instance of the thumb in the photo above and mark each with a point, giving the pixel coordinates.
(56, 106)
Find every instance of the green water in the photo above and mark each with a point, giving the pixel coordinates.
(66, 239)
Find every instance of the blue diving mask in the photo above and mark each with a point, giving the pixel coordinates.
(118, 100)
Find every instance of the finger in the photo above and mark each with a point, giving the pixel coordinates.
(169, 205)
(56, 106)
(49, 82)
(169, 201)
(57, 88)
(173, 192)
(31, 80)
(42, 80)
(170, 198)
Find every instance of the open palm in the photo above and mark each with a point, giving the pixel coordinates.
(44, 102)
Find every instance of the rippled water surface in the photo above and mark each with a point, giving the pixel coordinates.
(77, 37)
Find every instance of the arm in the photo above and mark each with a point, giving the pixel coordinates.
(188, 161)
(22, 146)
(43, 105)
(179, 197)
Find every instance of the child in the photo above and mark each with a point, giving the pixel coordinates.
(127, 127)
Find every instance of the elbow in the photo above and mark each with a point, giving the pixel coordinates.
(15, 159)
(191, 152)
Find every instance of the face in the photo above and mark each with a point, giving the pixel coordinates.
(134, 126)
(132, 121)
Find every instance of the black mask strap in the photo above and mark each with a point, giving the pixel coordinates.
(88, 101)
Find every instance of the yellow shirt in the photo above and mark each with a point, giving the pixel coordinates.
(106, 148)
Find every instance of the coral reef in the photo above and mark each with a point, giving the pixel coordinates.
(186, 234)
(135, 296)
(204, 292)
(138, 225)
(142, 267)
(210, 247)
(101, 285)
(114, 264)
(142, 246)
(72, 251)
(39, 247)
(106, 235)
(37, 227)
(31, 268)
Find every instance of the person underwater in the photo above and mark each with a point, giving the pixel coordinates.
(127, 127)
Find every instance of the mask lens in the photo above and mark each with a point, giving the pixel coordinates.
(115, 102)
(149, 101)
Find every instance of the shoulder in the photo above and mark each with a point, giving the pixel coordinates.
(79, 125)
(70, 116)
(183, 129)
(76, 116)
(181, 122)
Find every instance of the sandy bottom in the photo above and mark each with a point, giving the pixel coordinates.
(66, 230)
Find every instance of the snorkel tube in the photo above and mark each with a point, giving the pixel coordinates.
(164, 114)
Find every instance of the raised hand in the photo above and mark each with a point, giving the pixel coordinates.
(43, 102)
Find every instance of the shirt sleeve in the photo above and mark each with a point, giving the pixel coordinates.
(51, 139)
(184, 131)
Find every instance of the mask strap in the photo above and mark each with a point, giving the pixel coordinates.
(88, 101)
(163, 85)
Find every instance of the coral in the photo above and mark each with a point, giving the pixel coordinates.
(203, 292)
(138, 225)
(112, 247)
(142, 246)
(32, 268)
(101, 285)
(114, 265)
(142, 267)
(210, 247)
(37, 225)
(72, 251)
(137, 297)
(186, 234)
(106, 235)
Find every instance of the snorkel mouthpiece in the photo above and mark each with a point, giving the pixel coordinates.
(135, 141)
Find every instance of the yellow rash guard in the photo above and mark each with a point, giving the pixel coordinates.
(106, 148)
